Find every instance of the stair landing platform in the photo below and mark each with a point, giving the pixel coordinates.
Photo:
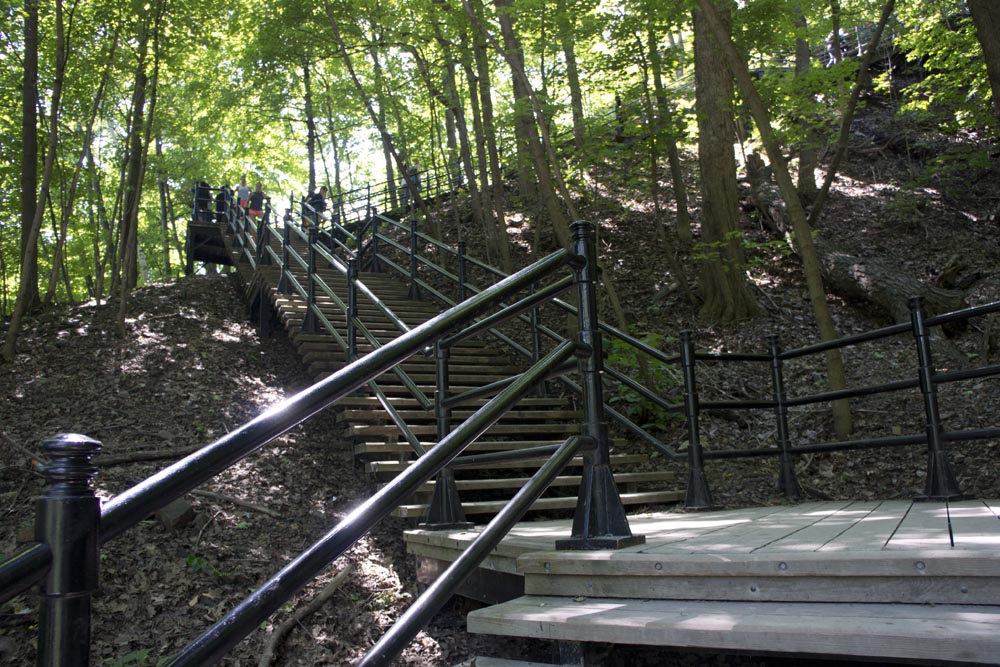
(893, 580)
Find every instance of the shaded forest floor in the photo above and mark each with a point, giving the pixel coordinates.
(190, 368)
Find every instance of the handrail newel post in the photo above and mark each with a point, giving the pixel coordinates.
(536, 344)
(940, 484)
(599, 521)
(359, 237)
(352, 309)
(445, 510)
(463, 290)
(284, 282)
(68, 521)
(263, 234)
(698, 496)
(310, 323)
(414, 288)
(787, 481)
(376, 267)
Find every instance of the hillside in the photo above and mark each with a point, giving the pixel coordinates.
(191, 368)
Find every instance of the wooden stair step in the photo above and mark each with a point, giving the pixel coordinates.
(370, 450)
(932, 633)
(396, 467)
(355, 430)
(423, 379)
(391, 385)
(415, 364)
(539, 403)
(561, 481)
(565, 502)
(371, 415)
(869, 577)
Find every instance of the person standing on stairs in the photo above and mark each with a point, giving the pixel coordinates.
(243, 195)
(256, 205)
(223, 204)
(316, 206)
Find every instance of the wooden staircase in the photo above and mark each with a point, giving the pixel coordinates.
(378, 444)
(876, 580)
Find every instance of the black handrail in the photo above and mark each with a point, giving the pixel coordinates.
(74, 525)
(940, 482)
(214, 643)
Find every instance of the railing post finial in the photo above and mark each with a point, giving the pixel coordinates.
(68, 521)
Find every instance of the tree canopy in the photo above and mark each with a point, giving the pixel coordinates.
(156, 95)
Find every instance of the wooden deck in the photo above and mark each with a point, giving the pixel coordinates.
(900, 580)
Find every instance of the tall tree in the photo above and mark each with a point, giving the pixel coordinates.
(28, 293)
(986, 16)
(725, 288)
(717, 24)
(29, 154)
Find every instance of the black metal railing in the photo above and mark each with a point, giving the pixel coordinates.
(72, 525)
(446, 277)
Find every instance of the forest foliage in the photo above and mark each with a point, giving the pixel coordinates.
(140, 100)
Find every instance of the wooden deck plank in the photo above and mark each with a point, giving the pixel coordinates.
(871, 532)
(941, 634)
(768, 525)
(925, 526)
(974, 525)
(814, 537)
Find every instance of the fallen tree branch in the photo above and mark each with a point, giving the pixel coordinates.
(237, 501)
(33, 457)
(267, 657)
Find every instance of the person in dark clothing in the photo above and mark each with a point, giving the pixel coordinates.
(202, 201)
(316, 206)
(223, 204)
(257, 199)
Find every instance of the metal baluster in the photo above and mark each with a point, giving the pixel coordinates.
(445, 511)
(599, 521)
(352, 309)
(698, 497)
(414, 289)
(310, 323)
(68, 521)
(787, 482)
(462, 288)
(941, 484)
(284, 282)
(536, 345)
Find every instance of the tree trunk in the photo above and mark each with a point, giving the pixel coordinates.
(531, 123)
(666, 126)
(834, 40)
(489, 137)
(807, 153)
(565, 25)
(803, 233)
(161, 185)
(29, 155)
(725, 289)
(28, 291)
(141, 134)
(310, 124)
(68, 202)
(986, 16)
(852, 104)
